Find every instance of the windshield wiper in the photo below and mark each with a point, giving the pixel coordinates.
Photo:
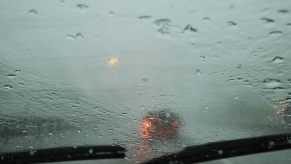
(63, 154)
(225, 149)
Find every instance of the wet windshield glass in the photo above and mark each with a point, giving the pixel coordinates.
(152, 76)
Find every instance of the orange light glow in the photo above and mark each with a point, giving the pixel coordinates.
(147, 124)
(145, 129)
(112, 61)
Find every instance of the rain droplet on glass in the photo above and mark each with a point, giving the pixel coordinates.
(11, 76)
(189, 28)
(8, 87)
(32, 11)
(82, 6)
(277, 59)
(272, 83)
(198, 72)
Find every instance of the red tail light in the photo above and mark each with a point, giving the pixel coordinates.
(174, 125)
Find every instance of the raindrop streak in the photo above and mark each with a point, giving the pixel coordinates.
(283, 11)
(8, 87)
(275, 32)
(144, 17)
(189, 28)
(32, 11)
(198, 72)
(272, 83)
(11, 76)
(162, 21)
(82, 6)
(268, 20)
(277, 59)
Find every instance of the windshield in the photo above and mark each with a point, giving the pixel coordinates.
(152, 76)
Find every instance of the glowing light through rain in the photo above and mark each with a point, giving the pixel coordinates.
(112, 61)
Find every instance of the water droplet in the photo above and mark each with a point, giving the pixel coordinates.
(271, 144)
(272, 83)
(163, 24)
(71, 37)
(162, 21)
(21, 84)
(267, 20)
(189, 28)
(17, 71)
(76, 36)
(277, 59)
(24, 131)
(82, 6)
(32, 11)
(124, 113)
(206, 18)
(275, 33)
(283, 11)
(145, 79)
(289, 81)
(220, 152)
(236, 97)
(8, 87)
(198, 72)
(79, 35)
(143, 108)
(79, 131)
(232, 23)
(90, 151)
(32, 152)
(11, 76)
(202, 57)
(50, 134)
(144, 17)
